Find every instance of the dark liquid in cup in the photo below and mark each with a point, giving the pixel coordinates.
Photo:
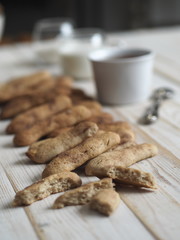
(126, 56)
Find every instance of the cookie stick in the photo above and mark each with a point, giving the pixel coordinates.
(82, 195)
(39, 113)
(53, 184)
(23, 85)
(43, 151)
(46, 93)
(77, 156)
(42, 128)
(124, 158)
(21, 104)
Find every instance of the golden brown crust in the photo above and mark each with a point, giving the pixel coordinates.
(130, 176)
(94, 106)
(47, 186)
(43, 151)
(99, 118)
(42, 128)
(44, 111)
(83, 194)
(24, 85)
(105, 201)
(47, 92)
(64, 81)
(124, 158)
(122, 128)
(75, 157)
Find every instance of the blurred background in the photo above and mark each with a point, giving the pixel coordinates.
(110, 15)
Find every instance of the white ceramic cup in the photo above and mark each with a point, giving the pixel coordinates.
(122, 76)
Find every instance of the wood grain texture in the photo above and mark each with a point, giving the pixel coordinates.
(143, 214)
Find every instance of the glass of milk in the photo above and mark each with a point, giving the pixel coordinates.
(75, 50)
(48, 34)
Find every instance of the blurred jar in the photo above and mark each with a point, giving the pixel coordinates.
(48, 35)
(75, 50)
(2, 21)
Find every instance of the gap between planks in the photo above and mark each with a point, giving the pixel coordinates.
(38, 232)
(165, 73)
(175, 159)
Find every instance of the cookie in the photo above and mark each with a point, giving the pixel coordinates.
(53, 184)
(75, 157)
(44, 111)
(42, 128)
(45, 150)
(123, 157)
(82, 195)
(130, 176)
(105, 201)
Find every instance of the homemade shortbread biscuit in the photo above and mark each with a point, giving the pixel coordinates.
(23, 85)
(44, 111)
(122, 128)
(82, 195)
(53, 184)
(105, 201)
(75, 157)
(130, 176)
(42, 128)
(124, 158)
(43, 151)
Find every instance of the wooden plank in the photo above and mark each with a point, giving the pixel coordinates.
(166, 168)
(157, 211)
(71, 222)
(14, 223)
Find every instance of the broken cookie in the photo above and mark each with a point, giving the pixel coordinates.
(124, 158)
(130, 176)
(82, 195)
(53, 184)
(105, 201)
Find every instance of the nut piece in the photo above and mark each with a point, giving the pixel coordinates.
(122, 128)
(42, 128)
(43, 151)
(53, 184)
(82, 195)
(75, 157)
(23, 85)
(130, 176)
(124, 158)
(105, 201)
(44, 111)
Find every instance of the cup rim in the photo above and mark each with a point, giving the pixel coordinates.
(108, 55)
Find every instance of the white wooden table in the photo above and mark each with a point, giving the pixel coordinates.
(142, 215)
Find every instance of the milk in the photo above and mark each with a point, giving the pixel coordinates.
(74, 58)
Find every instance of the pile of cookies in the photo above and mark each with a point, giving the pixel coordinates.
(76, 132)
